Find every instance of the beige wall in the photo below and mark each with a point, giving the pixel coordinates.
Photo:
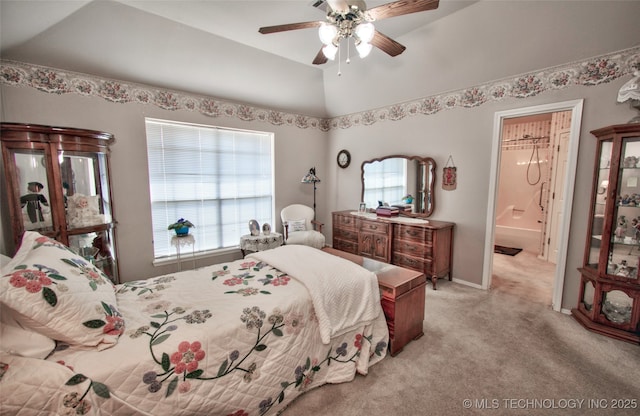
(296, 151)
(464, 133)
(467, 134)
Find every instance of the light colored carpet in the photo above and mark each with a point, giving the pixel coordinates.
(524, 275)
(504, 350)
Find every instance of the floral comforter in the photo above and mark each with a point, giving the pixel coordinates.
(239, 338)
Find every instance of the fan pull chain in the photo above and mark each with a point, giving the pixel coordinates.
(348, 51)
(339, 60)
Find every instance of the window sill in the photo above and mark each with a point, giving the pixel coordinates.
(187, 256)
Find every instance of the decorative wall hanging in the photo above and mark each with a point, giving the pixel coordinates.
(449, 175)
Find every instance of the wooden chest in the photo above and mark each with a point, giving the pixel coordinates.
(402, 295)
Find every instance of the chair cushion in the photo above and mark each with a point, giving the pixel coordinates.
(307, 238)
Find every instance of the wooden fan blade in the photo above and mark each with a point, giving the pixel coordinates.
(291, 26)
(386, 44)
(320, 58)
(398, 8)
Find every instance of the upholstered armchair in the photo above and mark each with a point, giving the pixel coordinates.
(300, 226)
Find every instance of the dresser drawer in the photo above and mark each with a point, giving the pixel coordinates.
(344, 221)
(345, 234)
(412, 233)
(373, 227)
(414, 263)
(413, 249)
(345, 245)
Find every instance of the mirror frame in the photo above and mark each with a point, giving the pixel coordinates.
(430, 187)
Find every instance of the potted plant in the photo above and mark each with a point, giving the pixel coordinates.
(181, 227)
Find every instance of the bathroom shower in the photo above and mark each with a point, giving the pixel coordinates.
(522, 196)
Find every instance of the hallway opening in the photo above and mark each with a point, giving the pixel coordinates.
(534, 159)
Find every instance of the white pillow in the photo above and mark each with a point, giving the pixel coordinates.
(297, 225)
(57, 293)
(17, 340)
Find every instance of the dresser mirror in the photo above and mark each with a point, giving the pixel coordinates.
(390, 179)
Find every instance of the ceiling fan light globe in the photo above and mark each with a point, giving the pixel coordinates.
(330, 51)
(364, 49)
(327, 33)
(365, 32)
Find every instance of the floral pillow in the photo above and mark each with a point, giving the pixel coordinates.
(59, 294)
(296, 225)
(17, 340)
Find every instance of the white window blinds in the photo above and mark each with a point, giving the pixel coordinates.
(219, 179)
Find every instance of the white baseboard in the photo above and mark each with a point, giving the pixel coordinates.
(464, 282)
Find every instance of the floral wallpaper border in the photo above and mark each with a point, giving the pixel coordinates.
(590, 72)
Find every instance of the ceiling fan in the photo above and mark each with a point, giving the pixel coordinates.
(350, 18)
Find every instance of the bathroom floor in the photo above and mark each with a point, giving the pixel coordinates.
(524, 275)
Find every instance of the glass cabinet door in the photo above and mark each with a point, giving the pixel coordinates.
(598, 220)
(97, 248)
(624, 251)
(588, 294)
(617, 306)
(85, 189)
(32, 180)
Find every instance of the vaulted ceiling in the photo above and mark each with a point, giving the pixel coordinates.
(205, 47)
(213, 48)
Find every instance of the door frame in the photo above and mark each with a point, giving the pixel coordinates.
(549, 215)
(575, 106)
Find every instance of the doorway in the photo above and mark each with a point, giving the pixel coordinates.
(549, 239)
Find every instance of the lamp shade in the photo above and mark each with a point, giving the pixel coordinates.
(330, 51)
(363, 49)
(327, 33)
(365, 32)
(631, 89)
(310, 177)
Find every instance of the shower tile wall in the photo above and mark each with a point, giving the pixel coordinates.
(523, 206)
(524, 171)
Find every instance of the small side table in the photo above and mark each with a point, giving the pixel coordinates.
(260, 242)
(184, 241)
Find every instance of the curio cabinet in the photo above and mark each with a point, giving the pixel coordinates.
(57, 182)
(609, 299)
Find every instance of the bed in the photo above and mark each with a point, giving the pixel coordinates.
(241, 338)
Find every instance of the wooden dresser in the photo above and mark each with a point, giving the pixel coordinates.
(402, 296)
(424, 246)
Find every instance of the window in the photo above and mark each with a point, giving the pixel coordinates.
(386, 181)
(217, 178)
